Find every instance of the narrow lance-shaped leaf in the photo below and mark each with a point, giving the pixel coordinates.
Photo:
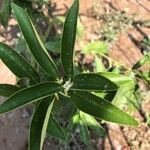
(74, 121)
(54, 129)
(145, 76)
(92, 124)
(101, 108)
(116, 78)
(17, 64)
(68, 39)
(142, 61)
(39, 123)
(98, 65)
(23, 82)
(7, 89)
(28, 95)
(84, 133)
(92, 82)
(34, 42)
(5, 12)
(124, 97)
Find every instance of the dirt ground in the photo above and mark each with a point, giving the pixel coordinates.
(14, 126)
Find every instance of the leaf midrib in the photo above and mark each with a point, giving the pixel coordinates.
(98, 106)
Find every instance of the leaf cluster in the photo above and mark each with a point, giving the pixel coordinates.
(79, 90)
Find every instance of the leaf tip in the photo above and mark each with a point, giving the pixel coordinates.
(136, 123)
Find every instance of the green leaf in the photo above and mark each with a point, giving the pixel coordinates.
(125, 96)
(23, 82)
(21, 45)
(17, 64)
(116, 78)
(101, 108)
(34, 42)
(54, 129)
(68, 39)
(73, 124)
(110, 95)
(84, 133)
(39, 1)
(98, 65)
(145, 76)
(142, 61)
(80, 30)
(54, 45)
(148, 119)
(28, 95)
(25, 4)
(92, 82)
(64, 97)
(5, 12)
(39, 123)
(65, 106)
(92, 124)
(74, 121)
(7, 89)
(96, 47)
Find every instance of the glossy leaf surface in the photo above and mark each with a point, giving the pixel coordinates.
(101, 108)
(5, 12)
(17, 64)
(34, 42)
(92, 82)
(39, 123)
(68, 39)
(7, 89)
(55, 130)
(28, 95)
